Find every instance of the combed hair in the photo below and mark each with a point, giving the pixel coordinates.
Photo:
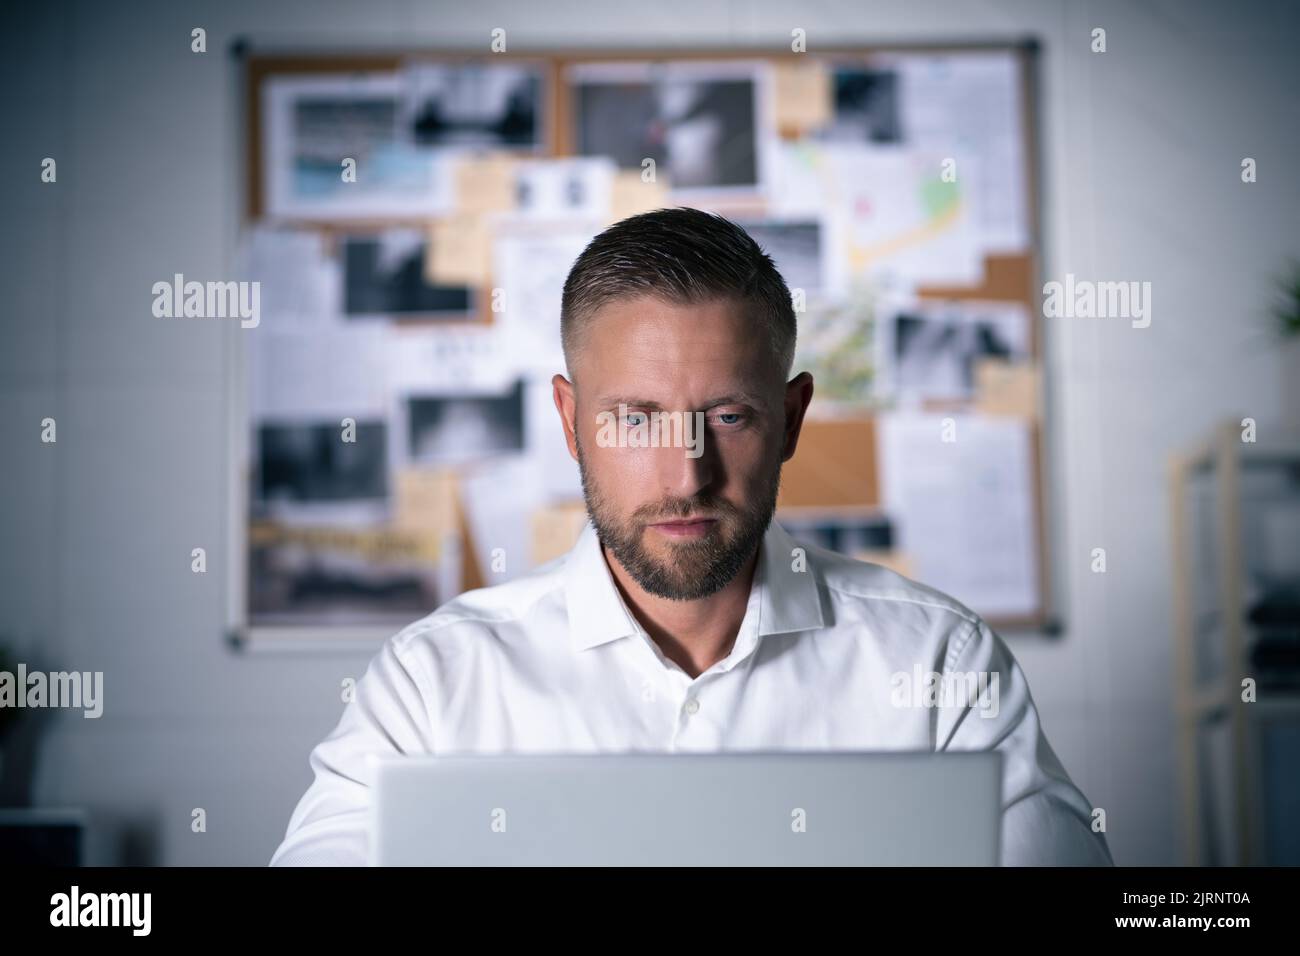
(683, 256)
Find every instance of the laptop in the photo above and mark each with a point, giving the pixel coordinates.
(717, 809)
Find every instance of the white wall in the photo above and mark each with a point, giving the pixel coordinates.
(1141, 147)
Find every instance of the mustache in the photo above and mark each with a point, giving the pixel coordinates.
(677, 508)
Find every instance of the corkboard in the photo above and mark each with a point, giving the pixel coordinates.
(1006, 277)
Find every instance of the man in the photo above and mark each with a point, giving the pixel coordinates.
(685, 619)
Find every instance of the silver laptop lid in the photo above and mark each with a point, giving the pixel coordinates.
(727, 809)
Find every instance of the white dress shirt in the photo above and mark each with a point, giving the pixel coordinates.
(828, 657)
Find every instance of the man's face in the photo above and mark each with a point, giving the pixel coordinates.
(682, 524)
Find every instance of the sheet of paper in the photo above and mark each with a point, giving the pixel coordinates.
(304, 361)
(564, 188)
(447, 361)
(545, 439)
(970, 106)
(530, 267)
(801, 178)
(898, 219)
(964, 508)
(801, 95)
(499, 502)
(299, 282)
(334, 373)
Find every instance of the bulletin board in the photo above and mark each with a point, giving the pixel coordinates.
(950, 306)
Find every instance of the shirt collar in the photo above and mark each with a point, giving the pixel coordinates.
(597, 613)
(791, 590)
(788, 591)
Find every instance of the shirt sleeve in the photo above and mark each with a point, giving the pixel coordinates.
(387, 716)
(1046, 819)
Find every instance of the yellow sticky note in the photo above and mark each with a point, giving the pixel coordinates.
(485, 184)
(1008, 389)
(630, 195)
(424, 500)
(379, 545)
(460, 251)
(801, 95)
(556, 529)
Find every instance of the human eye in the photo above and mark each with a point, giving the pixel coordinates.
(729, 418)
(634, 419)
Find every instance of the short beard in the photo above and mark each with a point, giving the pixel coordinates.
(698, 567)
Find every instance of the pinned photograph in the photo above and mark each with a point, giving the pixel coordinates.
(338, 146)
(474, 105)
(866, 108)
(930, 350)
(446, 429)
(327, 543)
(855, 533)
(384, 276)
(796, 248)
(306, 463)
(700, 123)
(338, 577)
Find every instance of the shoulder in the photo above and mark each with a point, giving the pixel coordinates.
(860, 592)
(855, 582)
(486, 615)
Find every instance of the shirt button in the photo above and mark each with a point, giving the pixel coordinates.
(692, 706)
